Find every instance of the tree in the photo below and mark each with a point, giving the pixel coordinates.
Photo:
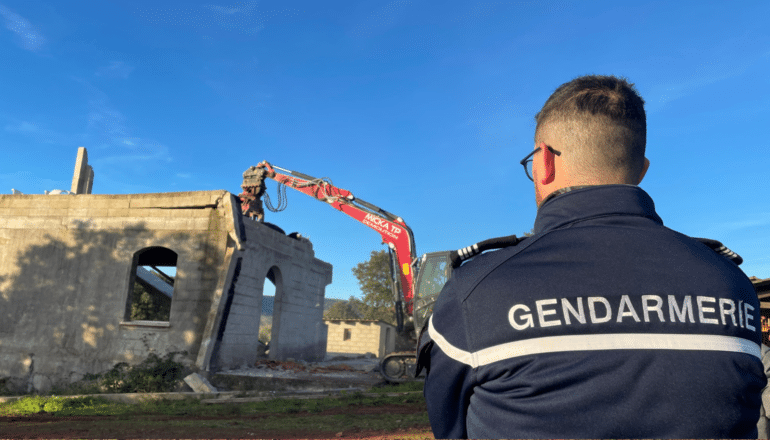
(149, 304)
(343, 310)
(375, 281)
(374, 278)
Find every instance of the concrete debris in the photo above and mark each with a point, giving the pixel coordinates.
(199, 384)
(317, 367)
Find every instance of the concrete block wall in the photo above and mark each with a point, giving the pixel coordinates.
(365, 337)
(65, 270)
(298, 330)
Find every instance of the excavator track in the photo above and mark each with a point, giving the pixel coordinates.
(400, 367)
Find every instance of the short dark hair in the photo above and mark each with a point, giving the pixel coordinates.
(610, 103)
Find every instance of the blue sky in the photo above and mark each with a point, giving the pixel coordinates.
(422, 108)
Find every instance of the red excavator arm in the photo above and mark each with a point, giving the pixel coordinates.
(393, 230)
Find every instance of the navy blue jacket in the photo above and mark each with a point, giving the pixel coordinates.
(602, 324)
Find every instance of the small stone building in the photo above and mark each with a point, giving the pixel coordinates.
(360, 336)
(87, 281)
(763, 292)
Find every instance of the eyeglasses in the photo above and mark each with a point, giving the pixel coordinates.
(527, 161)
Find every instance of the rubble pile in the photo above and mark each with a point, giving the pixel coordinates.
(305, 367)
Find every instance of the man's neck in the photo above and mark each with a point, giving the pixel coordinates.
(561, 191)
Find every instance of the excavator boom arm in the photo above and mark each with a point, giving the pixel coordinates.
(393, 230)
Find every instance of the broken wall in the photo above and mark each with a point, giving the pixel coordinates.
(66, 273)
(300, 280)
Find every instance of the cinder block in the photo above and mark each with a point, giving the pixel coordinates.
(113, 203)
(40, 203)
(81, 201)
(99, 203)
(244, 339)
(178, 224)
(77, 212)
(136, 202)
(176, 200)
(134, 223)
(148, 213)
(31, 223)
(22, 202)
(154, 223)
(167, 202)
(241, 320)
(42, 212)
(142, 202)
(118, 212)
(245, 302)
(109, 223)
(201, 224)
(199, 384)
(203, 199)
(197, 213)
(97, 212)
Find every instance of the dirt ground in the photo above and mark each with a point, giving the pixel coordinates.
(325, 424)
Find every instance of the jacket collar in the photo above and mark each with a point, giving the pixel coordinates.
(587, 202)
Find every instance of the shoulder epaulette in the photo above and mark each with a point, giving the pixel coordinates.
(721, 249)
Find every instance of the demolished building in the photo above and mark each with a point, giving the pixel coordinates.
(72, 269)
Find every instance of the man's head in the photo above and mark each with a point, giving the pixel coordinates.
(598, 125)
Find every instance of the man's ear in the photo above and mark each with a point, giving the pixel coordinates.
(548, 164)
(644, 170)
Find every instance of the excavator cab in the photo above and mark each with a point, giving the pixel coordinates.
(435, 270)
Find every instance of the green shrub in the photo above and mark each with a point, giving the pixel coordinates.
(153, 375)
(83, 402)
(87, 385)
(113, 381)
(30, 405)
(264, 333)
(60, 406)
(54, 404)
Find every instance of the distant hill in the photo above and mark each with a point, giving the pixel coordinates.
(267, 304)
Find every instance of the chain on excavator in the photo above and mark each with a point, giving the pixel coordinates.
(254, 190)
(282, 201)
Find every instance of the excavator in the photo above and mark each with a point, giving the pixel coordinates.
(416, 282)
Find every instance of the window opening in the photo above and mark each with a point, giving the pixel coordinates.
(153, 276)
(346, 334)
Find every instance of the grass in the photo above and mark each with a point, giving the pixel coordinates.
(183, 418)
(61, 406)
(180, 418)
(322, 423)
